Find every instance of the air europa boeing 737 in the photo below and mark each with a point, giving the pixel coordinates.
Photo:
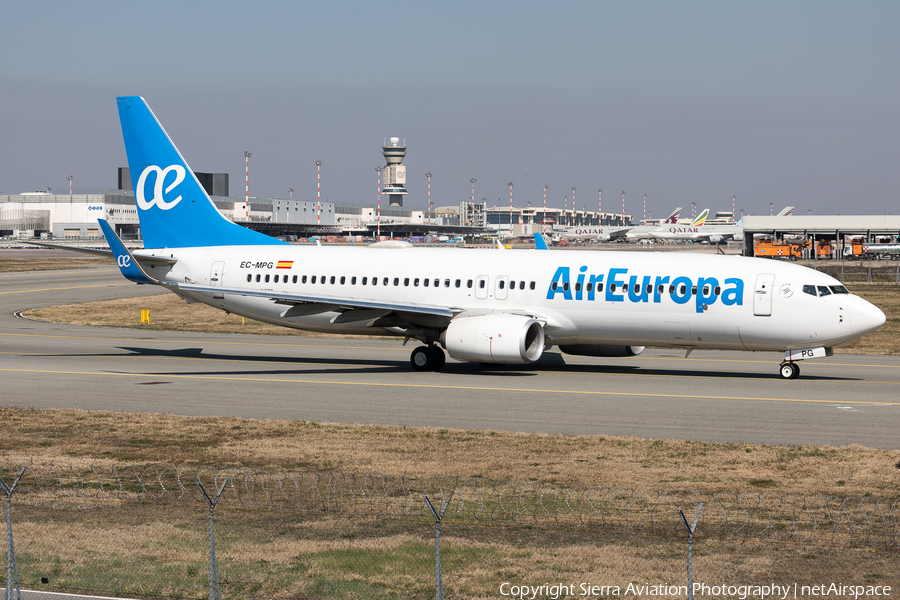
(480, 305)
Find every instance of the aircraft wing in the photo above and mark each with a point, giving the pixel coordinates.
(106, 253)
(332, 302)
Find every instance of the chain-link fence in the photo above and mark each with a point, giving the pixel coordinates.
(142, 531)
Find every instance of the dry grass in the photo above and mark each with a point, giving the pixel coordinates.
(15, 265)
(575, 461)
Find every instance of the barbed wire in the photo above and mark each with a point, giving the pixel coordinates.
(833, 519)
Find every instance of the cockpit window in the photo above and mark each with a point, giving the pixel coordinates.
(824, 291)
(839, 289)
(810, 289)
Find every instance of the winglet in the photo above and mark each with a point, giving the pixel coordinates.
(124, 258)
(539, 242)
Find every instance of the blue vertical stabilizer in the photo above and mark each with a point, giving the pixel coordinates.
(173, 207)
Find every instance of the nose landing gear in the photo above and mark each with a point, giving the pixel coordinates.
(789, 370)
(427, 358)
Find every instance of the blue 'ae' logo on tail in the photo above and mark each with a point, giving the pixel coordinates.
(173, 208)
(158, 198)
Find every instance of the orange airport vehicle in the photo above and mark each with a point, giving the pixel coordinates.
(790, 250)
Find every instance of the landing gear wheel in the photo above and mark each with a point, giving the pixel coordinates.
(439, 358)
(422, 359)
(790, 370)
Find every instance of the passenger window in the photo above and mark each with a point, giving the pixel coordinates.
(553, 286)
(458, 283)
(612, 287)
(682, 289)
(512, 285)
(522, 285)
(249, 277)
(469, 284)
(437, 283)
(364, 280)
(276, 279)
(385, 281)
(566, 286)
(425, 282)
(693, 290)
(416, 282)
(406, 281)
(303, 280)
(706, 290)
(396, 281)
(717, 291)
(599, 287)
(590, 287)
(624, 287)
(671, 289)
(531, 286)
(353, 281)
(343, 280)
(660, 288)
(295, 279)
(502, 284)
(824, 291)
(332, 280)
(322, 279)
(257, 277)
(446, 283)
(267, 278)
(313, 278)
(577, 286)
(482, 282)
(649, 288)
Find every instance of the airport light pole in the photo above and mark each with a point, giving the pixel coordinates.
(428, 175)
(510, 184)
(600, 207)
(473, 201)
(69, 177)
(318, 193)
(623, 208)
(573, 201)
(544, 214)
(247, 156)
(378, 207)
(693, 210)
(771, 208)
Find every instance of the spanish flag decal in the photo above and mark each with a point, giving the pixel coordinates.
(284, 264)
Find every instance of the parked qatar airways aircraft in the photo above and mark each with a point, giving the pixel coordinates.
(480, 305)
(698, 231)
(642, 232)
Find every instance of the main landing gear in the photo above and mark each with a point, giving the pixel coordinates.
(789, 370)
(427, 358)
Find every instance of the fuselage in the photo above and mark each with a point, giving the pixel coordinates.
(664, 299)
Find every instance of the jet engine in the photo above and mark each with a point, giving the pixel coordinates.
(601, 350)
(497, 338)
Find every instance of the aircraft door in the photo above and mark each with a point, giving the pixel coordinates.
(501, 287)
(481, 287)
(215, 273)
(762, 295)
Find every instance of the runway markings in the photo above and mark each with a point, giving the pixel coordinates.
(445, 387)
(74, 287)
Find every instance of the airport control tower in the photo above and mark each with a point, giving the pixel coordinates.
(394, 171)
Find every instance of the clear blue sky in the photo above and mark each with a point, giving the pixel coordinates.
(785, 102)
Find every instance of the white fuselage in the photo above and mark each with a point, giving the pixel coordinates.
(713, 233)
(672, 299)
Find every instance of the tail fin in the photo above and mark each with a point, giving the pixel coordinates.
(178, 212)
(673, 218)
(786, 211)
(700, 220)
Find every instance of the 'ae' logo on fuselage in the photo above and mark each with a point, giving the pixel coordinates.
(158, 193)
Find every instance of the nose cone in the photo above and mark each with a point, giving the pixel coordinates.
(866, 318)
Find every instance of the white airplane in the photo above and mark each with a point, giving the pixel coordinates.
(698, 231)
(480, 305)
(642, 232)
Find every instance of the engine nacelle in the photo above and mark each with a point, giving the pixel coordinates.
(498, 338)
(601, 350)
